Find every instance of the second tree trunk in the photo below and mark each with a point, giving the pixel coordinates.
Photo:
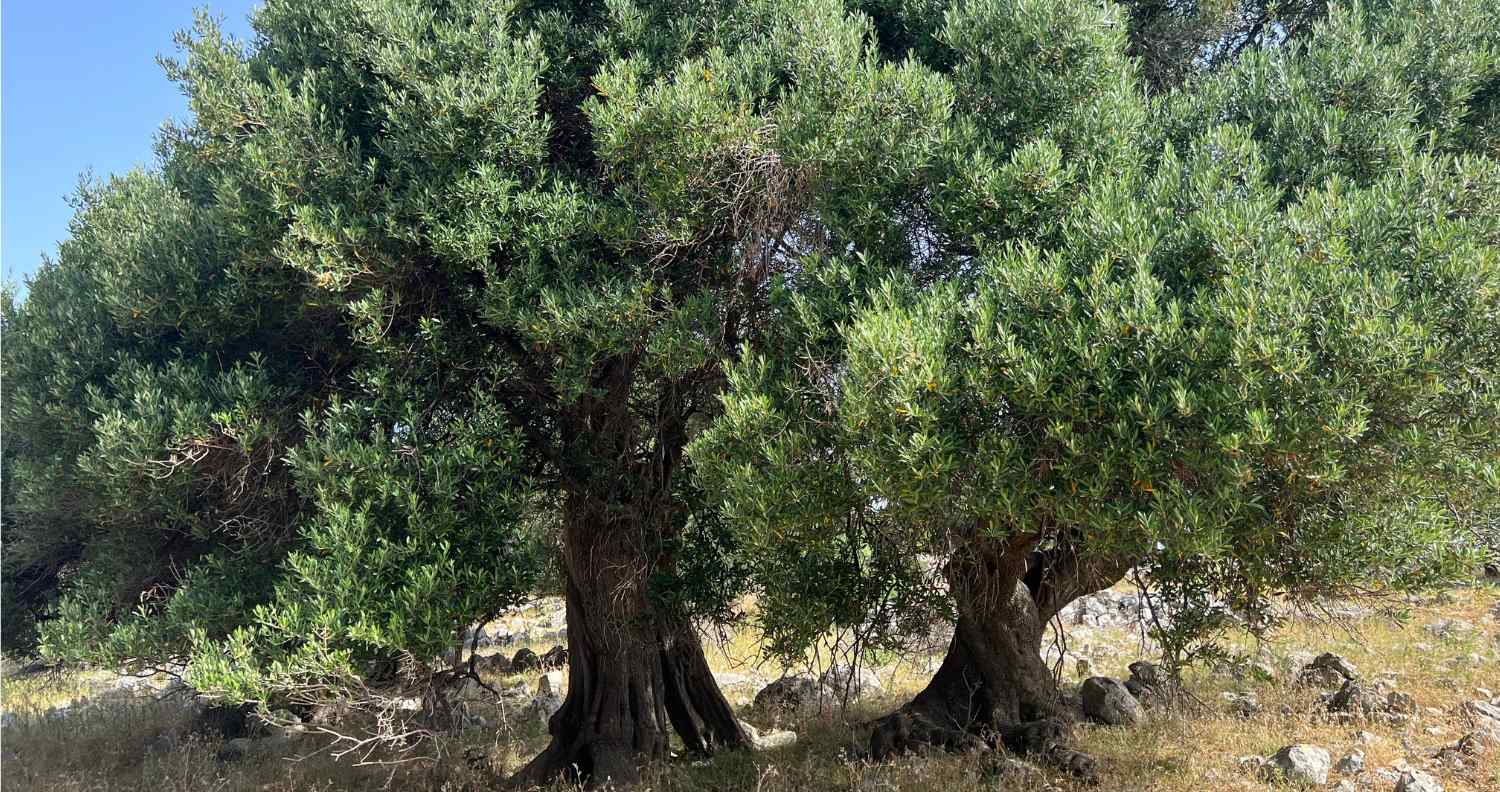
(635, 674)
(992, 685)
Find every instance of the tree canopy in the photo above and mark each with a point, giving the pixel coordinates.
(885, 312)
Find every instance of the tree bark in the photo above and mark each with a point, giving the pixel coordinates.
(634, 673)
(993, 686)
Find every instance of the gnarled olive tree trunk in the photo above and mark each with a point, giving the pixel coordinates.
(993, 686)
(634, 673)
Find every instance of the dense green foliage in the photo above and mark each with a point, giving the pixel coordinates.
(793, 296)
(153, 380)
(182, 457)
(1262, 353)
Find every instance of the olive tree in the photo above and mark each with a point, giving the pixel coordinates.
(543, 229)
(1256, 345)
(153, 379)
(427, 270)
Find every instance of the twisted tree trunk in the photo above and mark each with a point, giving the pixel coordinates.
(634, 673)
(993, 686)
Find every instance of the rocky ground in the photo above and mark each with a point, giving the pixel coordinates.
(1358, 701)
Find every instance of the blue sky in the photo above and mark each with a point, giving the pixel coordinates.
(80, 91)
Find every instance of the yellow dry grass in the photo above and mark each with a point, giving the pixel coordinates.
(128, 745)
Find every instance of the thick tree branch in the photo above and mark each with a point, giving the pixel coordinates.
(1061, 573)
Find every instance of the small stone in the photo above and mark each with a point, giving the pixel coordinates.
(1448, 629)
(542, 708)
(495, 664)
(1146, 673)
(726, 679)
(771, 739)
(1417, 781)
(1109, 702)
(235, 749)
(1483, 709)
(549, 683)
(525, 660)
(1352, 763)
(1295, 662)
(1482, 739)
(793, 692)
(751, 732)
(1335, 663)
(1245, 705)
(1251, 765)
(855, 682)
(1356, 698)
(556, 657)
(1396, 701)
(1303, 763)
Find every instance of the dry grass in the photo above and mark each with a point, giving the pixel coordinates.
(133, 745)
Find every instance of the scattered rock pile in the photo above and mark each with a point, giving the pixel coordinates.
(1356, 698)
(1113, 609)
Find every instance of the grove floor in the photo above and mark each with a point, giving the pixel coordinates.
(126, 744)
